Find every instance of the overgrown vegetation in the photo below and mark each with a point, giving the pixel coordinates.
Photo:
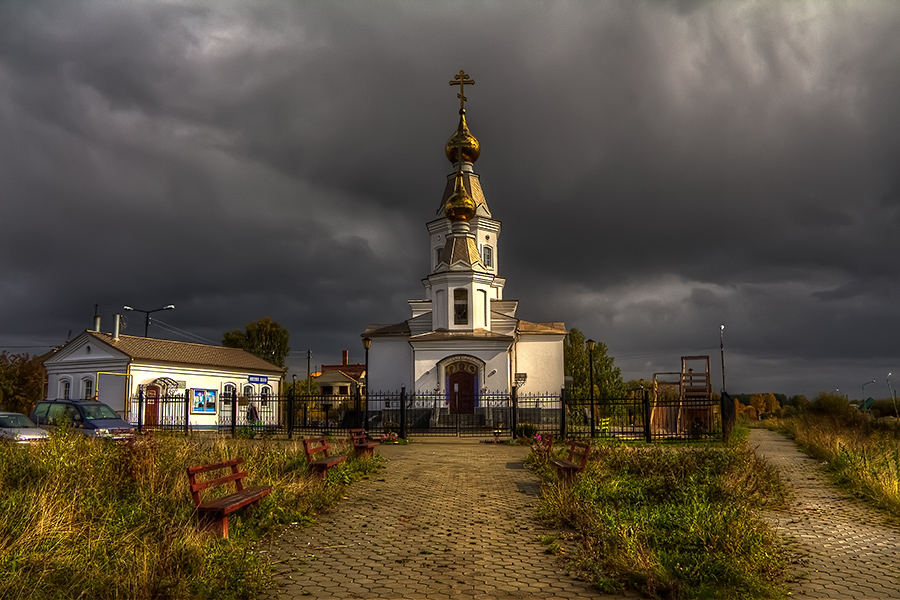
(862, 453)
(82, 519)
(670, 522)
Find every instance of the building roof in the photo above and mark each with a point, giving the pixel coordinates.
(553, 327)
(150, 349)
(445, 334)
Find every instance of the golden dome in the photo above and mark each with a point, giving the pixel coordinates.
(462, 140)
(459, 206)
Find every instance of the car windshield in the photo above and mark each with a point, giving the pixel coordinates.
(92, 412)
(15, 421)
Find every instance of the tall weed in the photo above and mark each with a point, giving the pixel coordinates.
(672, 522)
(862, 455)
(86, 519)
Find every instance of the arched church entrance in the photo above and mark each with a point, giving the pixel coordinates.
(462, 386)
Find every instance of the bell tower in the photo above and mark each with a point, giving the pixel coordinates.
(464, 238)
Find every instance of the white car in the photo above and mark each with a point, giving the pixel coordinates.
(18, 428)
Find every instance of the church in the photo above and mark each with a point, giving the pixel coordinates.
(463, 340)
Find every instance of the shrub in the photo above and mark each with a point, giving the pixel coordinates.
(526, 430)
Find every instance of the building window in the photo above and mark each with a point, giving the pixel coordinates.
(437, 256)
(65, 389)
(344, 390)
(327, 390)
(228, 393)
(488, 256)
(88, 385)
(264, 396)
(460, 307)
(248, 391)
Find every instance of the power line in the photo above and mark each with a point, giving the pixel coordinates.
(172, 329)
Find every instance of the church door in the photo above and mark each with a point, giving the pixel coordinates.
(151, 406)
(462, 392)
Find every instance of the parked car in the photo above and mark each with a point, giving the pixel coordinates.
(18, 428)
(89, 417)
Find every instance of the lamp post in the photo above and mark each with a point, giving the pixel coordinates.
(147, 313)
(590, 347)
(864, 388)
(722, 350)
(367, 343)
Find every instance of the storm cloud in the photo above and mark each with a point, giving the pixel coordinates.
(659, 169)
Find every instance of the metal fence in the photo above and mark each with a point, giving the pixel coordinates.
(436, 414)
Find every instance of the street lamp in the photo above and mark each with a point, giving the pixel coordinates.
(590, 347)
(722, 350)
(367, 343)
(147, 313)
(864, 388)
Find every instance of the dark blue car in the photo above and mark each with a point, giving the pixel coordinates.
(89, 417)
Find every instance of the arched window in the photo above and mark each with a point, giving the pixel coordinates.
(228, 392)
(248, 391)
(87, 385)
(65, 389)
(264, 396)
(460, 307)
(488, 256)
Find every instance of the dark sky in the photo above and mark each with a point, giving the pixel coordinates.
(660, 168)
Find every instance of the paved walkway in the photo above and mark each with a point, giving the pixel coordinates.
(454, 518)
(450, 518)
(845, 549)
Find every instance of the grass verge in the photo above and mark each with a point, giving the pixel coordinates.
(670, 522)
(86, 519)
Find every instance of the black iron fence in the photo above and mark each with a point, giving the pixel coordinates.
(433, 413)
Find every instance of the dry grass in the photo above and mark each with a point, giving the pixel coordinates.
(82, 519)
(862, 455)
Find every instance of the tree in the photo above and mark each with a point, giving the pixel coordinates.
(264, 338)
(607, 376)
(21, 381)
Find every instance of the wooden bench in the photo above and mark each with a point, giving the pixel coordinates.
(578, 455)
(361, 444)
(314, 446)
(218, 509)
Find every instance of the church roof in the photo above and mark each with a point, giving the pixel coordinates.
(445, 334)
(400, 329)
(555, 327)
(151, 349)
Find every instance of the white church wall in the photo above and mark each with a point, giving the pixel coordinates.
(541, 357)
(390, 365)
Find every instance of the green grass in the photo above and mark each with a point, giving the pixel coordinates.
(671, 522)
(862, 455)
(87, 519)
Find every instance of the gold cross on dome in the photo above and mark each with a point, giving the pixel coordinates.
(462, 79)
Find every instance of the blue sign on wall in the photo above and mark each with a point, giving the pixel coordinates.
(257, 379)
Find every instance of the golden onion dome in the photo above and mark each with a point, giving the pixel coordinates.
(462, 141)
(459, 206)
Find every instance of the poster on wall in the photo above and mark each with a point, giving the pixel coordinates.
(203, 402)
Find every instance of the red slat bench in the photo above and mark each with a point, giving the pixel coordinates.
(578, 455)
(361, 444)
(218, 509)
(314, 446)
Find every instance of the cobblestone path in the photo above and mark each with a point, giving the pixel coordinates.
(847, 549)
(445, 519)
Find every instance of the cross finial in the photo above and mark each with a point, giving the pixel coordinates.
(462, 79)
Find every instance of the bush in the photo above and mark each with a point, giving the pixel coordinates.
(526, 430)
(833, 405)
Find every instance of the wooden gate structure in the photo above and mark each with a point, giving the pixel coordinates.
(694, 412)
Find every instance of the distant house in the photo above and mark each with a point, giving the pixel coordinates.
(343, 379)
(157, 377)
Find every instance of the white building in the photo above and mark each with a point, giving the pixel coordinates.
(121, 369)
(463, 340)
